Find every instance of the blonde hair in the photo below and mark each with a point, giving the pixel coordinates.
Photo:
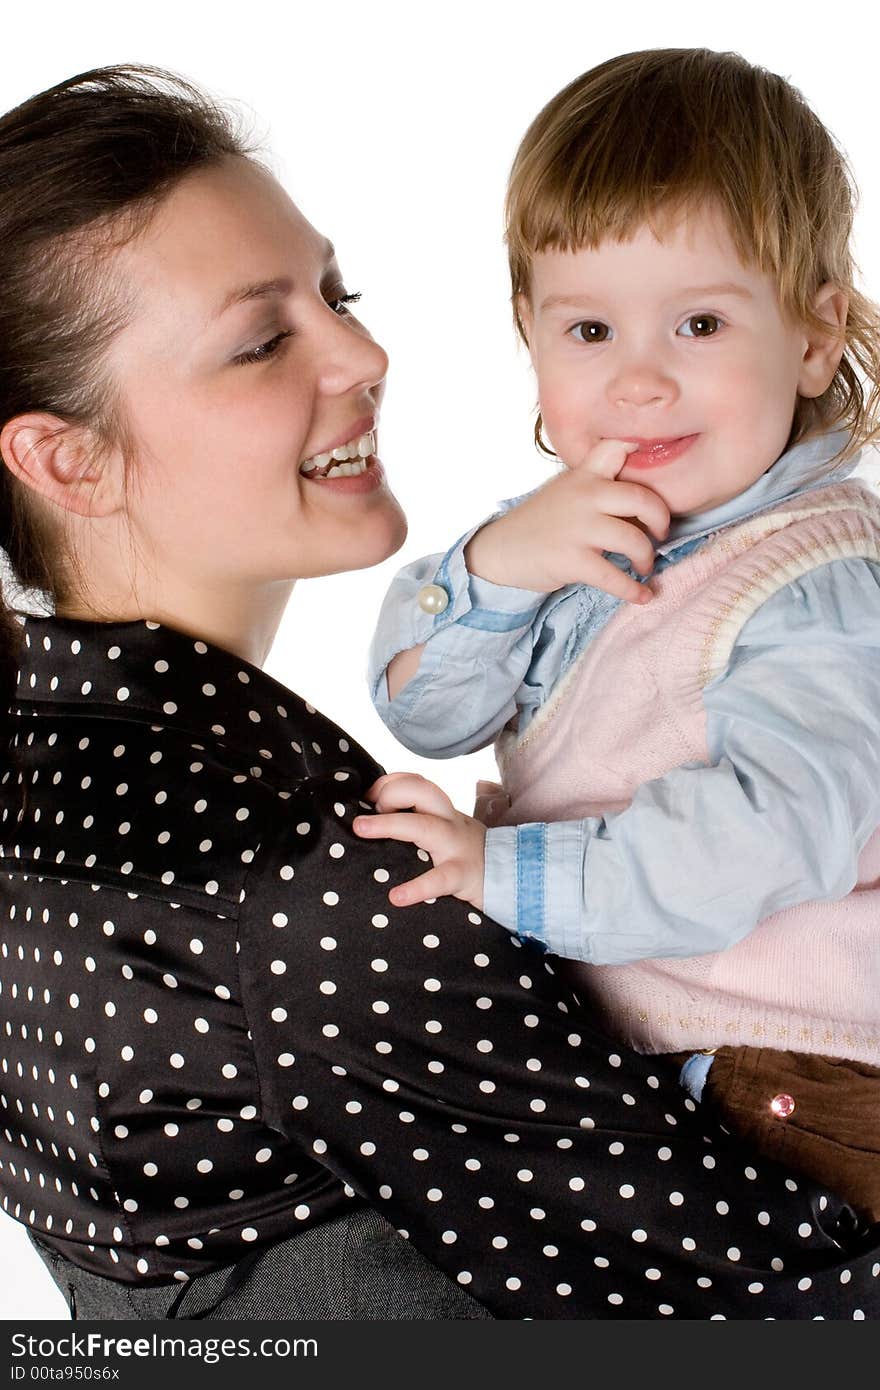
(651, 134)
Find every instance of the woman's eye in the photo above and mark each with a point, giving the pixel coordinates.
(591, 331)
(265, 350)
(339, 304)
(700, 326)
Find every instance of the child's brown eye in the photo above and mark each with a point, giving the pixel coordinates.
(702, 325)
(591, 331)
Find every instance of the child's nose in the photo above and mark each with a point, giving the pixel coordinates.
(641, 384)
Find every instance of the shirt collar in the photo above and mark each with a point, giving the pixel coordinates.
(804, 466)
(150, 672)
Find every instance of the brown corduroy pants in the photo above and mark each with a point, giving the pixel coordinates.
(831, 1132)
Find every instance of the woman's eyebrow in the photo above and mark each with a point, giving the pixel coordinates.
(260, 289)
(264, 289)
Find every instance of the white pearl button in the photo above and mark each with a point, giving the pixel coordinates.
(433, 599)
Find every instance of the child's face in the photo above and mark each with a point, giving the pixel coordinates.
(679, 346)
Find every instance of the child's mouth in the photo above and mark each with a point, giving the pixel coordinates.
(653, 453)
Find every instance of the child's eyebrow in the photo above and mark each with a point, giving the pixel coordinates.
(727, 287)
(579, 301)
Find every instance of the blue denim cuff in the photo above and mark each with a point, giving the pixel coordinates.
(692, 1077)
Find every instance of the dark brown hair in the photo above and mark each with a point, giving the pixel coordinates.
(650, 134)
(83, 168)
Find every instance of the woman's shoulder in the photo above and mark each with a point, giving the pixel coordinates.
(159, 756)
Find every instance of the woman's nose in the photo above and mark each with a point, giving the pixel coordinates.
(642, 384)
(352, 359)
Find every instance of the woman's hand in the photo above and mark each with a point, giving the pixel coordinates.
(416, 811)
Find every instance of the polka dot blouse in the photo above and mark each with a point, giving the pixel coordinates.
(215, 1030)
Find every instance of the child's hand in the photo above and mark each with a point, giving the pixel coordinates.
(455, 842)
(557, 536)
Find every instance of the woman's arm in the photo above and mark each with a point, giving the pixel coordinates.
(437, 1066)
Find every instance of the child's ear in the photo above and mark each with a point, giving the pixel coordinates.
(824, 350)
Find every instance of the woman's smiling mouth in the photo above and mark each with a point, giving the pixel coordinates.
(344, 461)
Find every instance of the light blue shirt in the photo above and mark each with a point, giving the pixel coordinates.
(778, 816)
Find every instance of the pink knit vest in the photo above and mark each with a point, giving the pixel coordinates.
(629, 710)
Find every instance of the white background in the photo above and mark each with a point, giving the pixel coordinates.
(393, 126)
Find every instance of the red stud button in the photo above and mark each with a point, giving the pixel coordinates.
(782, 1105)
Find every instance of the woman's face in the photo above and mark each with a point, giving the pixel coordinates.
(240, 362)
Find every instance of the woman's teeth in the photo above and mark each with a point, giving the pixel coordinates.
(345, 462)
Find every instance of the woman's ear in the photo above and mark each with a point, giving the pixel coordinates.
(59, 461)
(824, 349)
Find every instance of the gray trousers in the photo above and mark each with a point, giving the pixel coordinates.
(355, 1267)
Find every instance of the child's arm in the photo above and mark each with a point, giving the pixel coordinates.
(456, 632)
(778, 817)
(445, 683)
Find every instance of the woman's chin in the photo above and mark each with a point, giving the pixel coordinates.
(370, 545)
(391, 543)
